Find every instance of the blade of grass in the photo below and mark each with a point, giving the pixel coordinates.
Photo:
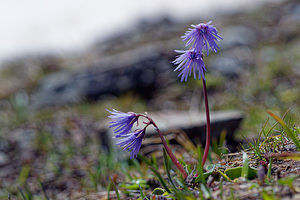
(25, 192)
(115, 188)
(262, 130)
(137, 165)
(206, 192)
(108, 191)
(161, 180)
(269, 131)
(44, 191)
(199, 166)
(94, 179)
(297, 129)
(224, 176)
(288, 131)
(22, 193)
(254, 147)
(267, 139)
(269, 169)
(154, 161)
(168, 167)
(24, 174)
(245, 168)
(142, 193)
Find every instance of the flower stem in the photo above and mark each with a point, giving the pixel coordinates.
(169, 151)
(207, 143)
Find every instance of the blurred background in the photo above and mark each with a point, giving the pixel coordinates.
(64, 26)
(64, 62)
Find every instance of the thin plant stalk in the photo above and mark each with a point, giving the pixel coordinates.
(207, 143)
(169, 151)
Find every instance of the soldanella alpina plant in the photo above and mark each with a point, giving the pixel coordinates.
(200, 37)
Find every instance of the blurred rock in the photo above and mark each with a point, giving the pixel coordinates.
(146, 71)
(193, 124)
(227, 66)
(295, 14)
(232, 62)
(237, 36)
(23, 138)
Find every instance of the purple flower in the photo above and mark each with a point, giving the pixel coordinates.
(202, 35)
(189, 61)
(122, 122)
(132, 142)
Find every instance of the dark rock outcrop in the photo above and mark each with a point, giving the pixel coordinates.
(143, 73)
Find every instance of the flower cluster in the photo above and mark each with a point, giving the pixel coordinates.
(189, 60)
(122, 124)
(202, 36)
(131, 141)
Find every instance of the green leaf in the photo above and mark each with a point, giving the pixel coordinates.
(158, 191)
(297, 129)
(135, 184)
(288, 180)
(288, 131)
(210, 170)
(211, 167)
(267, 196)
(254, 185)
(236, 172)
(130, 186)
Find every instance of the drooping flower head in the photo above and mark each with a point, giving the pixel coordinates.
(122, 122)
(189, 61)
(203, 35)
(132, 142)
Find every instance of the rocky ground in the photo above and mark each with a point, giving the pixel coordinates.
(52, 106)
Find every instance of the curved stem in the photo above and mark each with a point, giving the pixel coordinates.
(169, 151)
(207, 143)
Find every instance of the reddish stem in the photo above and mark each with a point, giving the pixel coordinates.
(172, 156)
(207, 143)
